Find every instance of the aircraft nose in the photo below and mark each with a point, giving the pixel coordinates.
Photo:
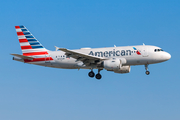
(167, 56)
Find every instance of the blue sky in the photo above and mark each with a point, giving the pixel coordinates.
(33, 92)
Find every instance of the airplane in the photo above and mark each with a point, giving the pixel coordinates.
(115, 59)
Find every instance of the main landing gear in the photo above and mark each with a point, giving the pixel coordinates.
(98, 75)
(146, 67)
(91, 74)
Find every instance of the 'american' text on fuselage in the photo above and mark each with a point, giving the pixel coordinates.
(111, 53)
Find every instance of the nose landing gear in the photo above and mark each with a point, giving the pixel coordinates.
(146, 67)
(147, 72)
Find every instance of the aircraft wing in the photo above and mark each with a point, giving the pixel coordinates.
(80, 56)
(22, 56)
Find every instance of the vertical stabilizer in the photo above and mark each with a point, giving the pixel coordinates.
(30, 46)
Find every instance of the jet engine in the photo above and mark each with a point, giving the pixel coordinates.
(116, 66)
(113, 64)
(123, 69)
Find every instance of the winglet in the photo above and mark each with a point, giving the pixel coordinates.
(56, 48)
(62, 49)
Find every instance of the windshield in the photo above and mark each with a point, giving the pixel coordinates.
(158, 50)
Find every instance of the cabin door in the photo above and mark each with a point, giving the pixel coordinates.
(145, 52)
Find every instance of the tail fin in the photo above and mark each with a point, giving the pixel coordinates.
(30, 46)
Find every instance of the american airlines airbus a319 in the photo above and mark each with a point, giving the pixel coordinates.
(116, 59)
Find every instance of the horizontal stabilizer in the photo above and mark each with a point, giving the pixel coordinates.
(22, 56)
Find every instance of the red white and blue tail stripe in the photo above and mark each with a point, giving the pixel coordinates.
(30, 46)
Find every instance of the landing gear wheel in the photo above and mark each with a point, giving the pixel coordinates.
(146, 67)
(147, 72)
(98, 76)
(91, 74)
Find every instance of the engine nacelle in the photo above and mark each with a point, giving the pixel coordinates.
(116, 66)
(123, 69)
(112, 64)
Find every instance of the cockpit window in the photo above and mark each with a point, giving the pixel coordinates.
(158, 50)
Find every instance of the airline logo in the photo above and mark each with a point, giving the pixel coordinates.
(30, 46)
(26, 39)
(137, 51)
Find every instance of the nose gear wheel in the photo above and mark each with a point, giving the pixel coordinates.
(146, 67)
(147, 72)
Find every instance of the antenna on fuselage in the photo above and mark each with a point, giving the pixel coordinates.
(143, 44)
(114, 45)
